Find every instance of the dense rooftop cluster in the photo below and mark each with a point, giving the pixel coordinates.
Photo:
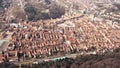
(86, 32)
(42, 39)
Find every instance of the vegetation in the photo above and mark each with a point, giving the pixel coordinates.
(38, 10)
(31, 12)
(78, 62)
(56, 11)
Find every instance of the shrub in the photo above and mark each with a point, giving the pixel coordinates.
(56, 11)
(31, 13)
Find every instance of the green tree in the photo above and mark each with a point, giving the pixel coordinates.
(56, 11)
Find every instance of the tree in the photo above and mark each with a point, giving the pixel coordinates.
(1, 1)
(19, 13)
(31, 13)
(56, 11)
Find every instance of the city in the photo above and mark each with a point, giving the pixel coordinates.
(93, 28)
